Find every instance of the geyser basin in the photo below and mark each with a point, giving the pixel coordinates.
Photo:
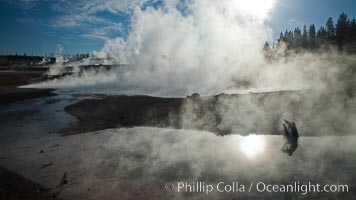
(222, 114)
(104, 164)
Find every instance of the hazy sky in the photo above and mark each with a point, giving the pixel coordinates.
(38, 26)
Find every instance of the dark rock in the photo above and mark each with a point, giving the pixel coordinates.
(63, 180)
(291, 136)
(46, 165)
(56, 145)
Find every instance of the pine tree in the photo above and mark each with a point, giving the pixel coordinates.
(321, 36)
(341, 33)
(298, 37)
(330, 29)
(341, 30)
(353, 30)
(280, 38)
(305, 37)
(312, 36)
(285, 36)
(266, 47)
(290, 39)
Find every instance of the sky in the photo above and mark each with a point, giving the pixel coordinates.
(37, 27)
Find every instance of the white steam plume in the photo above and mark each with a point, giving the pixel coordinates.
(201, 49)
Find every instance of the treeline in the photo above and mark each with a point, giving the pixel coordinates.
(24, 60)
(342, 35)
(50, 55)
(30, 60)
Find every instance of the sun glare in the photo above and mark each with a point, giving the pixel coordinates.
(251, 145)
(256, 8)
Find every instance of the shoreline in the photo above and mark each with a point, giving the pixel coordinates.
(10, 91)
(223, 114)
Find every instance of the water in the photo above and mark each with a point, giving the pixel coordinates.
(142, 160)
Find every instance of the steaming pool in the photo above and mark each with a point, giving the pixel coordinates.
(140, 161)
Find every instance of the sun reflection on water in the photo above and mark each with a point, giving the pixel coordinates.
(251, 146)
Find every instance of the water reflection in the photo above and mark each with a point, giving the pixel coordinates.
(124, 157)
(251, 145)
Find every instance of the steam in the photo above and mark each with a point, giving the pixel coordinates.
(57, 67)
(207, 47)
(201, 48)
(123, 162)
(212, 46)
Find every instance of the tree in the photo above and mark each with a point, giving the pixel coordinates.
(321, 36)
(290, 39)
(341, 33)
(312, 36)
(353, 30)
(286, 35)
(297, 37)
(266, 47)
(341, 30)
(305, 37)
(281, 39)
(330, 28)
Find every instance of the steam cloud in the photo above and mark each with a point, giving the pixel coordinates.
(211, 47)
(184, 47)
(203, 46)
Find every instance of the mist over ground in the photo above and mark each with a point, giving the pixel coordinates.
(140, 161)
